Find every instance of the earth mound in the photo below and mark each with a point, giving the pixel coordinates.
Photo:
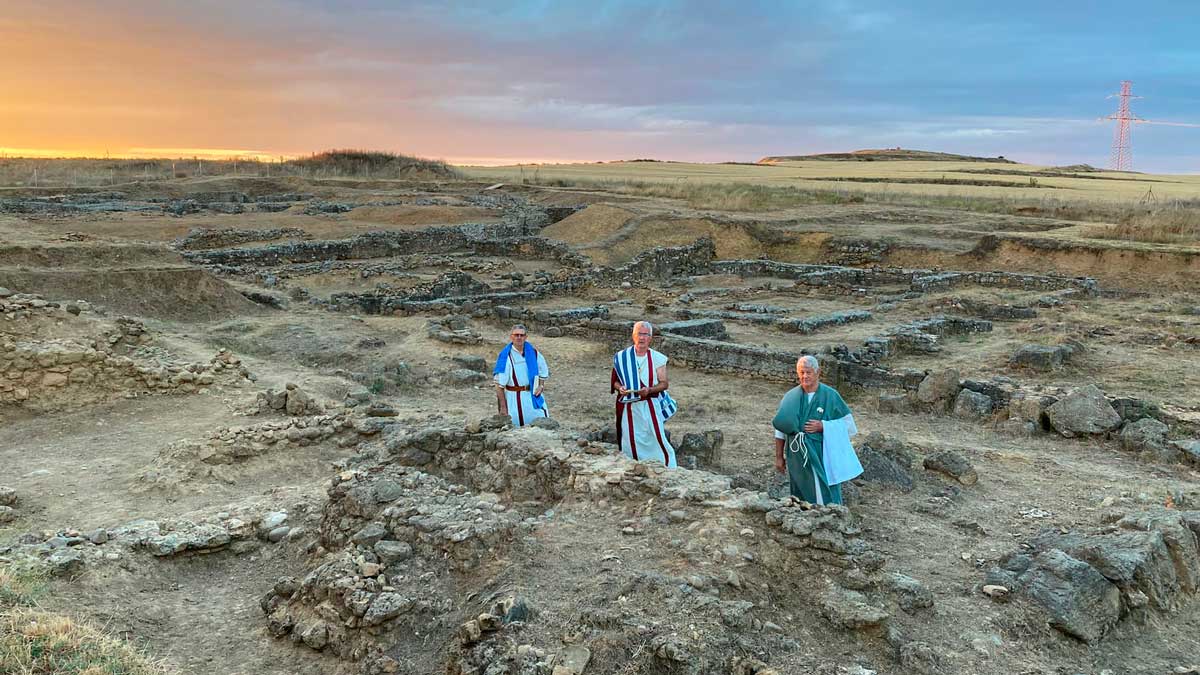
(884, 155)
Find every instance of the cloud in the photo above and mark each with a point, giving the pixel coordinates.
(707, 79)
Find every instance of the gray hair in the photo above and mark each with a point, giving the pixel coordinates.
(647, 324)
(809, 360)
(520, 326)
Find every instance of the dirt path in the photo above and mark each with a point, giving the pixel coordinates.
(76, 469)
(200, 614)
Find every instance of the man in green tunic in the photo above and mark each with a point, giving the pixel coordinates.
(812, 438)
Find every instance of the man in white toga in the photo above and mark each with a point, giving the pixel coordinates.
(639, 377)
(520, 375)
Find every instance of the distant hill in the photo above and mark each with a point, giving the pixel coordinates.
(885, 155)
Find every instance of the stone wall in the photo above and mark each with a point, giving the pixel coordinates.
(204, 458)
(43, 375)
(837, 367)
(916, 280)
(206, 238)
(481, 239)
(803, 326)
(404, 535)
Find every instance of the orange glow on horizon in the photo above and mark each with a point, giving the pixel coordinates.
(224, 154)
(146, 153)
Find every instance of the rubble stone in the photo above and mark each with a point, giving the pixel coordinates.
(1083, 411)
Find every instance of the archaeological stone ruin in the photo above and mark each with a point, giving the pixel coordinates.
(250, 426)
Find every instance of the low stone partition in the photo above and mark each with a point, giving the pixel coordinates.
(481, 239)
(1086, 583)
(239, 527)
(940, 281)
(709, 329)
(661, 264)
(921, 336)
(546, 318)
(814, 275)
(41, 375)
(199, 238)
(838, 367)
(917, 280)
(725, 293)
(378, 303)
(191, 459)
(16, 306)
(803, 326)
(990, 310)
(656, 263)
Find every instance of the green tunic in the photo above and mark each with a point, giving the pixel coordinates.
(805, 455)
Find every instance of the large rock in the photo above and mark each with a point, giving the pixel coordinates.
(942, 385)
(8, 496)
(1077, 599)
(849, 609)
(1133, 560)
(1147, 435)
(710, 329)
(298, 402)
(472, 362)
(202, 538)
(706, 447)
(1083, 411)
(886, 460)
(1182, 542)
(1189, 450)
(1038, 357)
(954, 465)
(972, 405)
(910, 594)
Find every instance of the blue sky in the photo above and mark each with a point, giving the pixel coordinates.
(708, 81)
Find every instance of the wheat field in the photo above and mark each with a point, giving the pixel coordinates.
(939, 179)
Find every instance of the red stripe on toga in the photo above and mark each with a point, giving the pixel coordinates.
(632, 442)
(512, 374)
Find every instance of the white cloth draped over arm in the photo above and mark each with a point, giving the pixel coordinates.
(841, 462)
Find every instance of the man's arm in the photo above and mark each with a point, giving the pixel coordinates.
(780, 463)
(543, 374)
(660, 382)
(501, 400)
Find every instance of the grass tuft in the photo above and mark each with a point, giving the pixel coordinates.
(37, 642)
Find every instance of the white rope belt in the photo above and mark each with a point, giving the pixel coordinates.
(796, 444)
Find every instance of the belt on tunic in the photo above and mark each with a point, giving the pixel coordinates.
(509, 387)
(796, 444)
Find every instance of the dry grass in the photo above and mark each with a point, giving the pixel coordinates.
(1133, 216)
(92, 172)
(1178, 225)
(1100, 196)
(715, 196)
(36, 642)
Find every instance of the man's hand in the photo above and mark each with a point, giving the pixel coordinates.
(780, 463)
(538, 391)
(644, 392)
(813, 427)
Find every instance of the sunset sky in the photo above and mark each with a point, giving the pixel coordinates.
(506, 82)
